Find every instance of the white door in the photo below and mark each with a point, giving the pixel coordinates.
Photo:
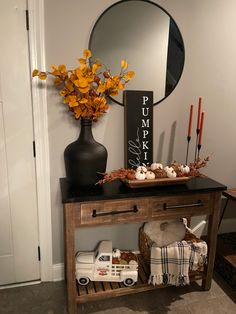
(18, 203)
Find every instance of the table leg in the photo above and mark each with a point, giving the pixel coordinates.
(212, 240)
(69, 230)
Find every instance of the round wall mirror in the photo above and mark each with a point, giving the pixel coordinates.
(145, 35)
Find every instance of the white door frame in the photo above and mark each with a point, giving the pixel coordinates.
(39, 103)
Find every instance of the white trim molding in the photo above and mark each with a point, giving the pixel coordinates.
(18, 285)
(39, 101)
(58, 272)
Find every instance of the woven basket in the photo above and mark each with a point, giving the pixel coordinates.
(145, 243)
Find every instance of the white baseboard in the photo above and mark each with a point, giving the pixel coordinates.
(58, 272)
(22, 284)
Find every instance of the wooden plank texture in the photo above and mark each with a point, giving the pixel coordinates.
(212, 240)
(151, 207)
(134, 184)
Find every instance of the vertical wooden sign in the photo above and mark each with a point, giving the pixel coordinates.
(138, 127)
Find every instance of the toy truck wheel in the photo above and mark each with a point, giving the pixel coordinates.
(83, 281)
(128, 282)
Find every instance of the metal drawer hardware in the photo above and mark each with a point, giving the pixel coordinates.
(115, 212)
(198, 204)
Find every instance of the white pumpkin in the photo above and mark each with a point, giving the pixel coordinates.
(184, 169)
(171, 174)
(140, 175)
(150, 175)
(163, 233)
(168, 169)
(141, 168)
(132, 262)
(156, 165)
(116, 253)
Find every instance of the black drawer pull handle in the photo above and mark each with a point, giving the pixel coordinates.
(198, 204)
(115, 212)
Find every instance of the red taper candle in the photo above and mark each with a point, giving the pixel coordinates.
(201, 129)
(199, 113)
(190, 121)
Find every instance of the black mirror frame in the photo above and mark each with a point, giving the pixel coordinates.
(153, 3)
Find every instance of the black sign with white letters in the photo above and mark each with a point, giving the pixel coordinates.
(138, 128)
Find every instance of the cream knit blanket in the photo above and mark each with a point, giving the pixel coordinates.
(171, 264)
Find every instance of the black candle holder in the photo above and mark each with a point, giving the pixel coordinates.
(198, 151)
(196, 146)
(188, 141)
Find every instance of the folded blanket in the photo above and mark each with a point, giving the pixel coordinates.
(171, 264)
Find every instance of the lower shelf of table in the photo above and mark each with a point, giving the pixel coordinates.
(99, 290)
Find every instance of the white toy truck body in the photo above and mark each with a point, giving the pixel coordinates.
(102, 266)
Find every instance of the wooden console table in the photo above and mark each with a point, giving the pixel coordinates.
(115, 203)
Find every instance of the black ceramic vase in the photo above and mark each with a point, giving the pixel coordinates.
(85, 158)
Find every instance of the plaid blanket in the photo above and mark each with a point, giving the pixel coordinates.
(171, 264)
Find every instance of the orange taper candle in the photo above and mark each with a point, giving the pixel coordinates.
(201, 129)
(190, 121)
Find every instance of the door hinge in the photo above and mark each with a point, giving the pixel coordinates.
(27, 19)
(34, 149)
(39, 254)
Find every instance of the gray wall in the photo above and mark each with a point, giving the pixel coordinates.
(210, 71)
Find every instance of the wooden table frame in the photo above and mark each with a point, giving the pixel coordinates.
(74, 218)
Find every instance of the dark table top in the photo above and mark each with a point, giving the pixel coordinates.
(117, 190)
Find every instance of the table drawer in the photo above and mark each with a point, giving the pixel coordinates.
(116, 211)
(182, 205)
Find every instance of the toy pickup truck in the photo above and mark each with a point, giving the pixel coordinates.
(106, 264)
